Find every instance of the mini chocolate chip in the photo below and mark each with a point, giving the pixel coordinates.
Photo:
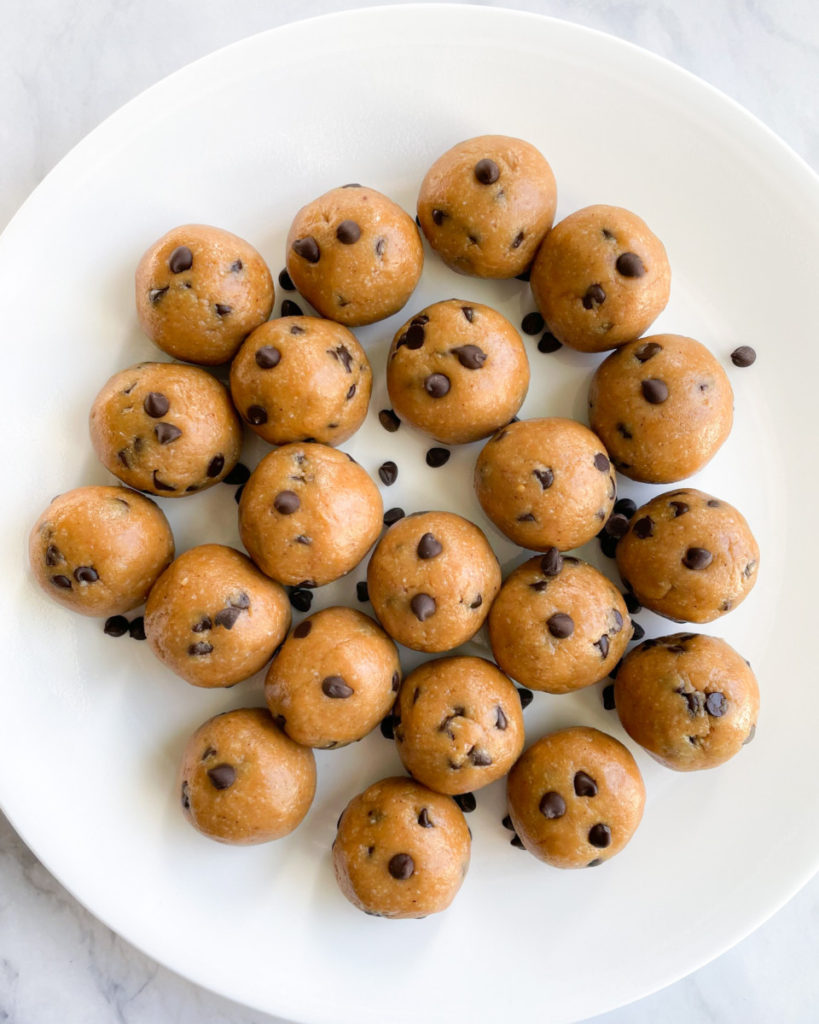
(392, 515)
(517, 241)
(608, 543)
(477, 602)
(222, 309)
(469, 313)
(348, 232)
(429, 546)
(303, 629)
(424, 819)
(743, 356)
(227, 617)
(335, 687)
(86, 574)
(295, 329)
(545, 477)
(155, 404)
(53, 555)
(643, 528)
(300, 599)
(155, 294)
(560, 625)
(203, 625)
(637, 632)
(532, 323)
(507, 823)
(200, 647)
(186, 800)
(601, 462)
(115, 625)
(624, 432)
(647, 351)
(395, 682)
(552, 562)
(361, 591)
(697, 558)
(526, 697)
(680, 508)
(438, 217)
(380, 246)
(237, 495)
(161, 485)
(350, 392)
(549, 343)
(388, 420)
(401, 866)
(216, 465)
(600, 835)
(166, 433)
(480, 758)
(286, 503)
(608, 697)
(603, 645)
(595, 295)
(180, 259)
(654, 391)
(716, 705)
(617, 620)
(469, 356)
(629, 264)
(487, 171)
(388, 727)
(286, 281)
(267, 357)
(616, 525)
(584, 785)
(222, 776)
(517, 842)
(466, 801)
(524, 275)
(290, 308)
(256, 415)
(437, 385)
(307, 248)
(388, 472)
(625, 507)
(423, 606)
(136, 628)
(750, 735)
(501, 721)
(748, 571)
(416, 693)
(552, 805)
(437, 457)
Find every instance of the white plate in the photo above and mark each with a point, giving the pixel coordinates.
(91, 728)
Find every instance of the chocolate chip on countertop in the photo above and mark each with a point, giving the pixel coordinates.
(300, 599)
(290, 308)
(437, 457)
(466, 801)
(240, 474)
(286, 281)
(392, 515)
(388, 473)
(136, 628)
(526, 697)
(115, 625)
(361, 591)
(549, 343)
(388, 420)
(743, 356)
(608, 697)
(532, 323)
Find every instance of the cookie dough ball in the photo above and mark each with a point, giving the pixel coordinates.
(486, 204)
(432, 580)
(689, 699)
(546, 483)
(662, 406)
(601, 278)
(401, 850)
(688, 556)
(355, 255)
(99, 550)
(213, 618)
(309, 514)
(166, 429)
(458, 371)
(458, 724)
(300, 378)
(558, 624)
(243, 781)
(334, 679)
(199, 291)
(575, 797)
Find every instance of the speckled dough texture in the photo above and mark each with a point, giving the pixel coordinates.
(663, 406)
(689, 699)
(301, 378)
(575, 797)
(99, 550)
(546, 483)
(458, 724)
(355, 255)
(486, 204)
(401, 850)
(600, 278)
(213, 618)
(558, 624)
(457, 370)
(199, 291)
(688, 556)
(166, 429)
(309, 514)
(432, 579)
(334, 679)
(242, 781)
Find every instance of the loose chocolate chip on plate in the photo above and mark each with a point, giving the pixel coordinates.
(116, 625)
(335, 687)
(286, 281)
(654, 391)
(617, 525)
(401, 866)
(222, 776)
(388, 727)
(156, 404)
(552, 805)
(307, 248)
(240, 474)
(361, 591)
(629, 264)
(743, 356)
(267, 357)
(560, 625)
(466, 801)
(517, 842)
(469, 356)
(600, 835)
(507, 823)
(487, 171)
(549, 343)
(429, 546)
(423, 606)
(388, 472)
(180, 259)
(300, 599)
(237, 496)
(437, 385)
(637, 632)
(392, 515)
(625, 507)
(290, 308)
(388, 420)
(552, 562)
(348, 232)
(532, 323)
(286, 502)
(526, 697)
(437, 457)
(595, 296)
(697, 558)
(608, 697)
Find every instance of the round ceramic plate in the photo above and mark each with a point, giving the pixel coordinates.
(92, 728)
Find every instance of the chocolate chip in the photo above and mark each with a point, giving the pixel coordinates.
(716, 705)
(643, 528)
(629, 264)
(608, 697)
(303, 629)
(300, 599)
(532, 323)
(560, 625)
(437, 385)
(202, 626)
(680, 508)
(603, 645)
(480, 758)
(517, 241)
(237, 496)
(743, 356)
(53, 555)
(335, 687)
(438, 217)
(647, 351)
(388, 727)
(617, 525)
(697, 558)
(166, 433)
(423, 606)
(595, 295)
(186, 800)
(600, 835)
(654, 391)
(477, 602)
(437, 457)
(469, 356)
(526, 697)
(116, 625)
(552, 562)
(429, 547)
(136, 628)
(549, 343)
(584, 785)
(469, 313)
(507, 823)
(256, 415)
(424, 819)
(388, 420)
(216, 465)
(161, 485)
(227, 617)
(501, 721)
(625, 507)
(156, 404)
(201, 647)
(637, 632)
(624, 432)
(401, 866)
(222, 776)
(348, 232)
(286, 503)
(487, 171)
(180, 259)
(267, 357)
(392, 515)
(601, 462)
(524, 275)
(222, 309)
(290, 308)
(750, 735)
(380, 246)
(545, 477)
(517, 842)
(361, 591)
(552, 805)
(86, 574)
(307, 248)
(466, 801)
(388, 472)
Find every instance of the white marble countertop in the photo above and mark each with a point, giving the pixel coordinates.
(67, 64)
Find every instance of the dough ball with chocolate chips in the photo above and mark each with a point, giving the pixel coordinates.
(689, 699)
(199, 291)
(457, 371)
(213, 618)
(558, 624)
(458, 724)
(334, 679)
(546, 483)
(662, 406)
(486, 205)
(165, 428)
(300, 378)
(575, 797)
(432, 580)
(309, 514)
(688, 556)
(243, 781)
(99, 550)
(601, 278)
(355, 255)
(401, 850)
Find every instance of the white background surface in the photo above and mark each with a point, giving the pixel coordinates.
(63, 67)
